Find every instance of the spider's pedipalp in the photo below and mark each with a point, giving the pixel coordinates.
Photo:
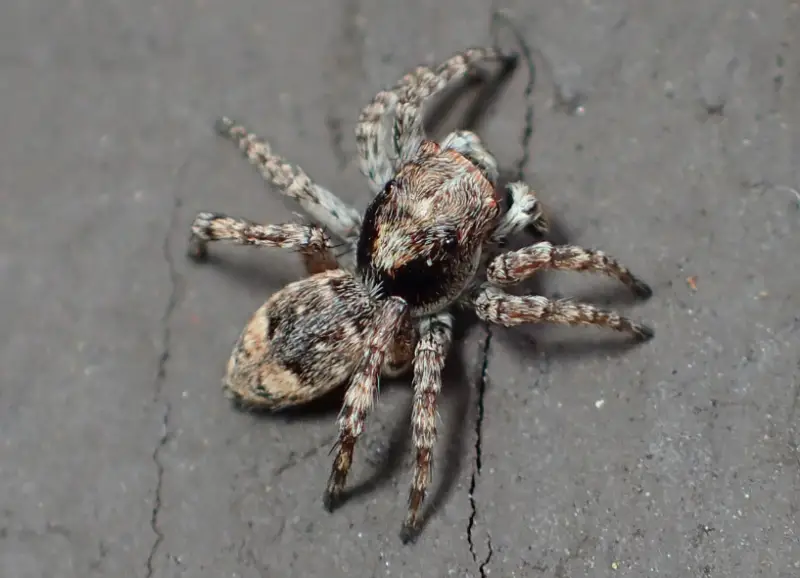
(470, 145)
(515, 266)
(403, 102)
(526, 210)
(310, 241)
(361, 392)
(303, 342)
(436, 334)
(320, 203)
(494, 305)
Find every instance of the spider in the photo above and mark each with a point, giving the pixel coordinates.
(415, 254)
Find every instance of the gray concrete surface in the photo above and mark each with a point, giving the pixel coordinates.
(664, 132)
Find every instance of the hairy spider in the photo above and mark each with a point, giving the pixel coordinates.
(431, 227)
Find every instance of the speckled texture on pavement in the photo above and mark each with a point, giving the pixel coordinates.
(665, 133)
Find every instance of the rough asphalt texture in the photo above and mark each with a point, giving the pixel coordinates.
(666, 133)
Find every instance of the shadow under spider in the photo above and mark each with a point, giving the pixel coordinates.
(456, 395)
(488, 91)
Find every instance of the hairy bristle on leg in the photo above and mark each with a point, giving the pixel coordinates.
(494, 305)
(436, 334)
(361, 393)
(320, 203)
(402, 104)
(516, 266)
(311, 241)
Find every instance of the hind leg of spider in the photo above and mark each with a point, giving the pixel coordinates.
(310, 241)
(321, 204)
(378, 159)
(436, 334)
(361, 392)
(494, 305)
(515, 266)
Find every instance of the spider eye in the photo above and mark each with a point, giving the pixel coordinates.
(448, 243)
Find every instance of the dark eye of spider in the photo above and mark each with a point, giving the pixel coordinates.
(422, 280)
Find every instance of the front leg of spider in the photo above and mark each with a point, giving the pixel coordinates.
(321, 204)
(361, 393)
(311, 241)
(494, 305)
(402, 105)
(436, 334)
(514, 267)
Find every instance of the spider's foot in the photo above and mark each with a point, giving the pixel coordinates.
(331, 500)
(223, 125)
(641, 289)
(411, 525)
(642, 333)
(409, 533)
(510, 61)
(197, 249)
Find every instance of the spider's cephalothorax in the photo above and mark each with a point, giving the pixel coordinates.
(420, 249)
(422, 235)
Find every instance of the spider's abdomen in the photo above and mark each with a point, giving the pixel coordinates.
(422, 236)
(305, 341)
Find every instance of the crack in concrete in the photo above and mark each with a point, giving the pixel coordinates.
(295, 459)
(527, 134)
(498, 17)
(792, 428)
(161, 374)
(476, 471)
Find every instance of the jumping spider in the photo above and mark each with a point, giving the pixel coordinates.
(418, 248)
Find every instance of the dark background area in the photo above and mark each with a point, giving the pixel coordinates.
(665, 133)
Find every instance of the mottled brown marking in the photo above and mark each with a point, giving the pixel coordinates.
(516, 266)
(422, 246)
(496, 306)
(360, 396)
(275, 364)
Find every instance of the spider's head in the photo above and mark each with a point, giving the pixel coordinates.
(422, 236)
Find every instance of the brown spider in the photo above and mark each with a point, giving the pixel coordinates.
(418, 250)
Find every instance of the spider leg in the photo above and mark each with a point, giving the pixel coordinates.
(436, 334)
(324, 206)
(494, 305)
(470, 145)
(525, 210)
(404, 101)
(424, 83)
(310, 241)
(400, 356)
(361, 392)
(515, 266)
